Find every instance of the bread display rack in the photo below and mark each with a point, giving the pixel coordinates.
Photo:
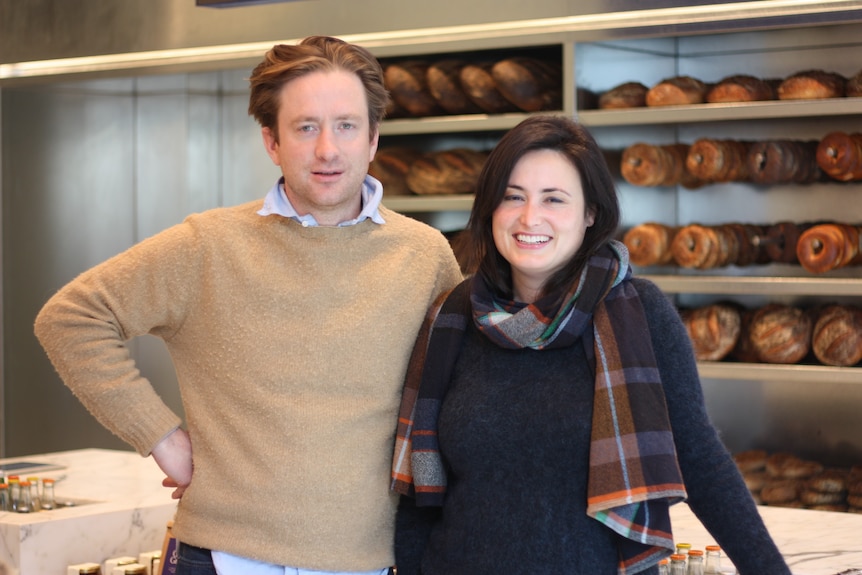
(598, 63)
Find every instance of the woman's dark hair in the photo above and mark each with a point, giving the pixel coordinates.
(563, 135)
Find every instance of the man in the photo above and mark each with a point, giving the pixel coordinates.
(290, 326)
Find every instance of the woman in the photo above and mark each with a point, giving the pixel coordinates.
(553, 411)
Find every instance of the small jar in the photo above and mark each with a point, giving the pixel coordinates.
(48, 501)
(5, 504)
(695, 562)
(25, 504)
(712, 563)
(35, 496)
(664, 567)
(683, 548)
(677, 564)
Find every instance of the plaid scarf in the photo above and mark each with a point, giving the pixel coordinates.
(634, 475)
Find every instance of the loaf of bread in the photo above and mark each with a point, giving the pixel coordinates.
(531, 84)
(854, 85)
(839, 155)
(837, 336)
(657, 165)
(783, 161)
(446, 172)
(444, 83)
(812, 85)
(625, 95)
(741, 88)
(479, 85)
(713, 160)
(407, 83)
(390, 165)
(744, 350)
(649, 244)
(677, 91)
(780, 333)
(713, 329)
(829, 246)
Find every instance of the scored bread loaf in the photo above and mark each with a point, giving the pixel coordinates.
(837, 336)
(625, 95)
(780, 333)
(444, 83)
(446, 172)
(531, 84)
(649, 243)
(407, 83)
(676, 91)
(713, 329)
(479, 85)
(741, 88)
(839, 155)
(812, 85)
(390, 166)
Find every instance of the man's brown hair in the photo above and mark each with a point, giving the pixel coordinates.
(283, 63)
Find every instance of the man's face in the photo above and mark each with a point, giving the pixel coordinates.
(324, 144)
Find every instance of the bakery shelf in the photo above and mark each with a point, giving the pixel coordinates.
(773, 109)
(774, 372)
(455, 124)
(771, 286)
(412, 204)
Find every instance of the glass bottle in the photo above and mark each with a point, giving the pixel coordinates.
(35, 497)
(14, 492)
(664, 567)
(25, 505)
(695, 562)
(677, 564)
(4, 497)
(712, 564)
(683, 548)
(48, 501)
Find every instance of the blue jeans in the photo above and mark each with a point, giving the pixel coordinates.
(193, 560)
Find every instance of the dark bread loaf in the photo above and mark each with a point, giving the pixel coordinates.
(531, 84)
(626, 95)
(446, 172)
(713, 329)
(837, 336)
(839, 155)
(408, 85)
(780, 333)
(390, 165)
(479, 85)
(677, 91)
(741, 88)
(444, 83)
(812, 85)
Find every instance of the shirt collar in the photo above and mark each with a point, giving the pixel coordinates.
(276, 202)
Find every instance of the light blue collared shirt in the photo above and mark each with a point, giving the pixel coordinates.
(276, 202)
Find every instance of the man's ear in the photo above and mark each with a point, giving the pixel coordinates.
(270, 142)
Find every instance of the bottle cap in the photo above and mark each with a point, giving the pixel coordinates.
(696, 552)
(713, 548)
(677, 557)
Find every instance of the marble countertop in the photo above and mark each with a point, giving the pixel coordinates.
(812, 542)
(123, 510)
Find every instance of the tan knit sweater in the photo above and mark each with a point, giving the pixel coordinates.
(290, 346)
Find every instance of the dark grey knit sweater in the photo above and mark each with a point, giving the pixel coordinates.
(515, 432)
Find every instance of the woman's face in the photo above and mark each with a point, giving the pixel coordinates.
(540, 223)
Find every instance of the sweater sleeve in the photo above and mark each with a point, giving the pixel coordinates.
(85, 325)
(717, 494)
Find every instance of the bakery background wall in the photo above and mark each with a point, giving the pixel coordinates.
(93, 162)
